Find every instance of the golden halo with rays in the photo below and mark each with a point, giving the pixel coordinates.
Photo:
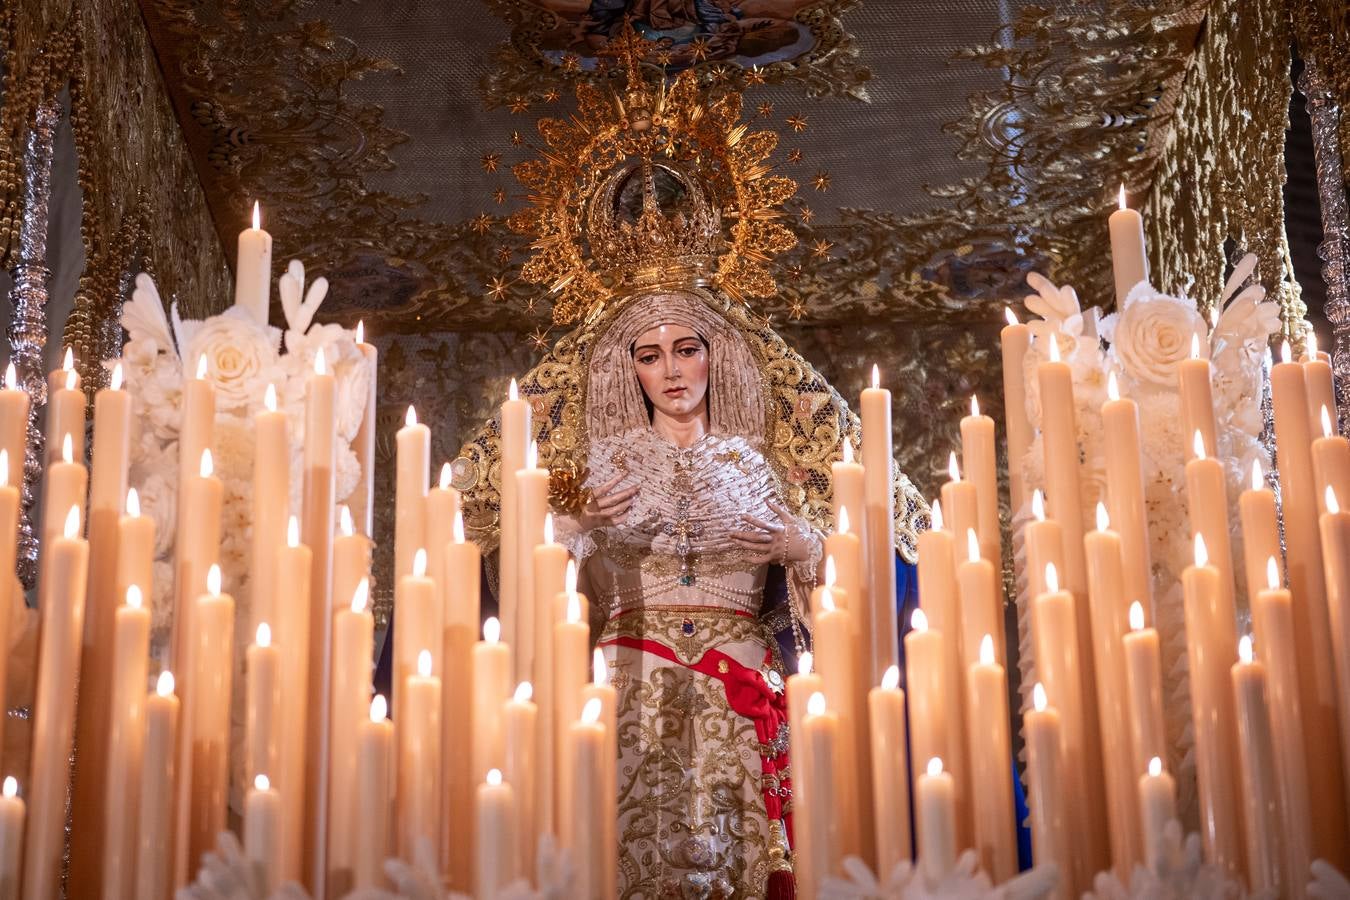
(693, 132)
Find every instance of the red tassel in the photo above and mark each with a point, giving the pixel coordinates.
(782, 886)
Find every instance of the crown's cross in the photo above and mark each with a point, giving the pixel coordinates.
(682, 530)
(630, 48)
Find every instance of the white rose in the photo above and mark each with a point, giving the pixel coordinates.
(241, 357)
(1152, 335)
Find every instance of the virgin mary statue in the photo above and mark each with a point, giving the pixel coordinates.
(689, 448)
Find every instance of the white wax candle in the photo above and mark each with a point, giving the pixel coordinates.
(516, 432)
(1064, 489)
(1197, 401)
(155, 825)
(977, 449)
(353, 650)
(262, 668)
(532, 503)
(208, 727)
(253, 269)
(1125, 492)
(271, 504)
(461, 617)
(1129, 258)
(262, 833)
(1052, 835)
(820, 732)
(62, 609)
(419, 768)
(65, 410)
(373, 806)
(12, 814)
(497, 831)
(131, 644)
(1256, 752)
(584, 835)
(935, 817)
(292, 632)
(1158, 806)
(1143, 677)
(991, 765)
(878, 528)
(846, 485)
(520, 718)
(890, 789)
(411, 485)
(14, 406)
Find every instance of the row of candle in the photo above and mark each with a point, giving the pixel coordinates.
(1233, 724)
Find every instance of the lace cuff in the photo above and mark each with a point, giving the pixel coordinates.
(568, 532)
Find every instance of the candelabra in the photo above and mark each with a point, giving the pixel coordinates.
(1324, 111)
(28, 329)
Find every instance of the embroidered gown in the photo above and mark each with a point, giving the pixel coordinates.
(702, 721)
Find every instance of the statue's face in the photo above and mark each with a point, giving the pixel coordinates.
(672, 366)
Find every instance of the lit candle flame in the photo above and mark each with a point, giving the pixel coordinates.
(361, 596)
(570, 577)
(207, 467)
(1333, 506)
(1010, 316)
(361, 331)
(843, 520)
(72, 529)
(260, 783)
(513, 392)
(590, 711)
(1103, 517)
(263, 636)
(816, 705)
(972, 545)
(1310, 345)
(424, 663)
(379, 708)
(573, 606)
(532, 455)
(292, 532)
(458, 528)
(804, 663)
(492, 630)
(1054, 349)
(201, 366)
(937, 516)
(257, 216)
(1155, 766)
(876, 376)
(1038, 505)
(848, 451)
(1286, 354)
(890, 680)
(548, 528)
(213, 580)
(1051, 578)
(974, 405)
(71, 379)
(1198, 444)
(410, 418)
(599, 670)
(67, 449)
(1136, 616)
(524, 692)
(1326, 421)
(68, 361)
(11, 787)
(1201, 551)
(1112, 387)
(827, 598)
(164, 686)
(987, 650)
(1038, 697)
(420, 562)
(830, 572)
(1245, 648)
(134, 598)
(1122, 195)
(1195, 346)
(11, 378)
(115, 382)
(494, 777)
(1258, 477)
(321, 363)
(345, 523)
(935, 766)
(953, 468)
(919, 620)
(270, 398)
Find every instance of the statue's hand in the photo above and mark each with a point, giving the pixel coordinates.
(607, 506)
(785, 541)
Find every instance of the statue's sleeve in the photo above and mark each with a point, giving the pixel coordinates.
(567, 531)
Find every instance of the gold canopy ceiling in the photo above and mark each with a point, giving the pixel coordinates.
(942, 149)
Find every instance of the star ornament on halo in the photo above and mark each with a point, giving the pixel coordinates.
(491, 161)
(498, 287)
(481, 223)
(821, 248)
(797, 123)
(821, 181)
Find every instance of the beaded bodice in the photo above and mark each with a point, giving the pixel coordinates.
(674, 547)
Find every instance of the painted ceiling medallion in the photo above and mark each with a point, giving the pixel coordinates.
(737, 43)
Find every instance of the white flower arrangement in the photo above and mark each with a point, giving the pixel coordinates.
(241, 357)
(966, 881)
(1143, 344)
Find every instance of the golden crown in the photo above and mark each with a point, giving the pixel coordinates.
(651, 185)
